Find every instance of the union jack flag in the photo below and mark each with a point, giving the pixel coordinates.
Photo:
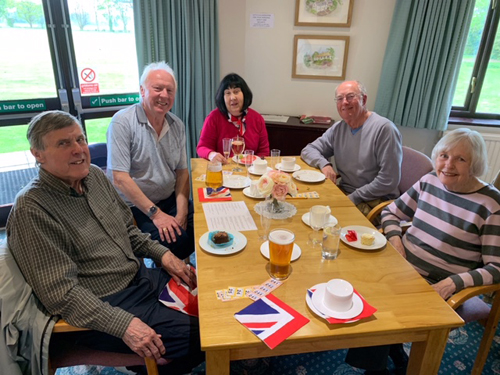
(271, 320)
(180, 298)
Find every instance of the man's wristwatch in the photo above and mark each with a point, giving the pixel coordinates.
(152, 210)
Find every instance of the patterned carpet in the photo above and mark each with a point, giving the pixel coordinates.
(458, 359)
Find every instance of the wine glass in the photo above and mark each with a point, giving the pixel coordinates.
(213, 179)
(238, 146)
(226, 147)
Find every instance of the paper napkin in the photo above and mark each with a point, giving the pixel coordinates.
(180, 297)
(368, 310)
(223, 194)
(271, 320)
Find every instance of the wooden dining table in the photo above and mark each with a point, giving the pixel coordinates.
(408, 309)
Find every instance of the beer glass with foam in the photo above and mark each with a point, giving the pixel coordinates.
(280, 253)
(214, 176)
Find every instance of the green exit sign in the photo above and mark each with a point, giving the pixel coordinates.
(110, 100)
(23, 106)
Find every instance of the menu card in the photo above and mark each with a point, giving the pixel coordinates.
(229, 216)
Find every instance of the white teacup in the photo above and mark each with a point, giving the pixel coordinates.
(338, 295)
(253, 188)
(319, 216)
(288, 162)
(260, 166)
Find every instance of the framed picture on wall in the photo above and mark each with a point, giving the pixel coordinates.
(334, 13)
(320, 57)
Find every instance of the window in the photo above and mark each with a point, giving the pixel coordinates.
(477, 95)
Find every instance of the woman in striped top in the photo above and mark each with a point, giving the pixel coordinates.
(454, 240)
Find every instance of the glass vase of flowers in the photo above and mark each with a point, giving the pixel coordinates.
(275, 185)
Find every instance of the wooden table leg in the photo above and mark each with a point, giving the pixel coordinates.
(425, 356)
(217, 362)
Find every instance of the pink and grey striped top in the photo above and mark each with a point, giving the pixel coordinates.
(452, 235)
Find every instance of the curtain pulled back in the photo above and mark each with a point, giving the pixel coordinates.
(183, 33)
(422, 61)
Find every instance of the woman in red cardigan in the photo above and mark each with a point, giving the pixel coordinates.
(232, 117)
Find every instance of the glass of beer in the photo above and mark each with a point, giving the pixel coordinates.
(280, 253)
(213, 178)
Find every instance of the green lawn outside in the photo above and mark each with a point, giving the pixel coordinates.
(13, 138)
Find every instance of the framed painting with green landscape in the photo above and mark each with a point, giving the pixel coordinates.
(320, 57)
(324, 13)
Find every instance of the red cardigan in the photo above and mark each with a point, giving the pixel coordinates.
(216, 127)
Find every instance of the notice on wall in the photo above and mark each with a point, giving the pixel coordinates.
(262, 21)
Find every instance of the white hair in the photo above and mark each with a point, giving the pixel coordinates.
(160, 65)
(479, 155)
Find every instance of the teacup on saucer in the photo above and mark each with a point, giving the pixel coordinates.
(318, 300)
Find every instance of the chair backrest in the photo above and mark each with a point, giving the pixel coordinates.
(496, 181)
(414, 165)
(99, 154)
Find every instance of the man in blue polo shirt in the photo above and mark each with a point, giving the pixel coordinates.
(147, 162)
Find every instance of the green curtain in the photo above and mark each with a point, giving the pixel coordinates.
(184, 33)
(422, 61)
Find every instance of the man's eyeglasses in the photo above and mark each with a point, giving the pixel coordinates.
(348, 97)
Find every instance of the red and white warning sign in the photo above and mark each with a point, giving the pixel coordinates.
(89, 83)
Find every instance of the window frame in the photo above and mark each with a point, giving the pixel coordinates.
(467, 113)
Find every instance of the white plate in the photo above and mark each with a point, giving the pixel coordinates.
(309, 176)
(379, 242)
(235, 181)
(240, 161)
(239, 243)
(317, 300)
(307, 220)
(252, 171)
(246, 191)
(309, 302)
(296, 253)
(295, 168)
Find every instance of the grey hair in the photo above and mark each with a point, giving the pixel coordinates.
(361, 88)
(479, 155)
(160, 65)
(46, 122)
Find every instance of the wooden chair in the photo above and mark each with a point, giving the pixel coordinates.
(471, 308)
(65, 353)
(414, 165)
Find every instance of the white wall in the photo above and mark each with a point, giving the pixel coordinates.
(264, 58)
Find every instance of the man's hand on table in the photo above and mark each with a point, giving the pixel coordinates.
(445, 288)
(329, 173)
(398, 245)
(178, 269)
(167, 226)
(143, 340)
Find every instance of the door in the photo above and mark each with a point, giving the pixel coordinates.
(78, 56)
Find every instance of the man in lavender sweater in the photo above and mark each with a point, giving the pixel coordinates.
(367, 149)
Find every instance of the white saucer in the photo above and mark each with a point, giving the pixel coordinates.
(308, 175)
(296, 253)
(246, 191)
(317, 300)
(239, 243)
(252, 171)
(235, 181)
(380, 240)
(295, 168)
(306, 218)
(310, 304)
